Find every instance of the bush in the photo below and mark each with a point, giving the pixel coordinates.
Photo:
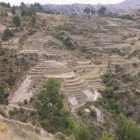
(16, 20)
(2, 52)
(83, 49)
(25, 102)
(92, 113)
(127, 129)
(4, 59)
(109, 83)
(116, 87)
(109, 92)
(22, 117)
(79, 112)
(132, 43)
(83, 133)
(129, 113)
(7, 34)
(21, 110)
(137, 92)
(135, 64)
(11, 113)
(60, 136)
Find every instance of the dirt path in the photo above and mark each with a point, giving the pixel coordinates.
(23, 92)
(98, 113)
(96, 96)
(11, 106)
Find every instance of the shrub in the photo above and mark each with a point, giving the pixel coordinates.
(4, 59)
(11, 113)
(83, 133)
(21, 110)
(22, 117)
(25, 102)
(79, 112)
(60, 136)
(116, 87)
(127, 129)
(109, 83)
(109, 92)
(137, 92)
(135, 64)
(7, 34)
(92, 113)
(83, 49)
(132, 43)
(129, 113)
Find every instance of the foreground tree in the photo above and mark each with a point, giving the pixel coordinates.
(7, 34)
(127, 129)
(16, 20)
(83, 133)
(48, 104)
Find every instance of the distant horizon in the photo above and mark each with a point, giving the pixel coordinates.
(63, 2)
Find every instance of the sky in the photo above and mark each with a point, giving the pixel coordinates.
(17, 2)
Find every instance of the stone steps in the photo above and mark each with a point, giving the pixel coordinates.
(75, 79)
(75, 95)
(74, 87)
(74, 83)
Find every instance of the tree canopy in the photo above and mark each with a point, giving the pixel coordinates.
(102, 10)
(127, 129)
(49, 103)
(7, 34)
(16, 20)
(87, 10)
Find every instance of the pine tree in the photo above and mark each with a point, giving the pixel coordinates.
(32, 21)
(16, 20)
(13, 10)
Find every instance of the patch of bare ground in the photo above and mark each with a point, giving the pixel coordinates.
(15, 130)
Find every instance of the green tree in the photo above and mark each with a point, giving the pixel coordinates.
(23, 12)
(8, 5)
(49, 104)
(83, 133)
(32, 21)
(7, 34)
(87, 10)
(13, 10)
(127, 129)
(16, 20)
(105, 136)
(92, 11)
(102, 10)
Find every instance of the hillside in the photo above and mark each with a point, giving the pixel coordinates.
(130, 3)
(127, 6)
(94, 62)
